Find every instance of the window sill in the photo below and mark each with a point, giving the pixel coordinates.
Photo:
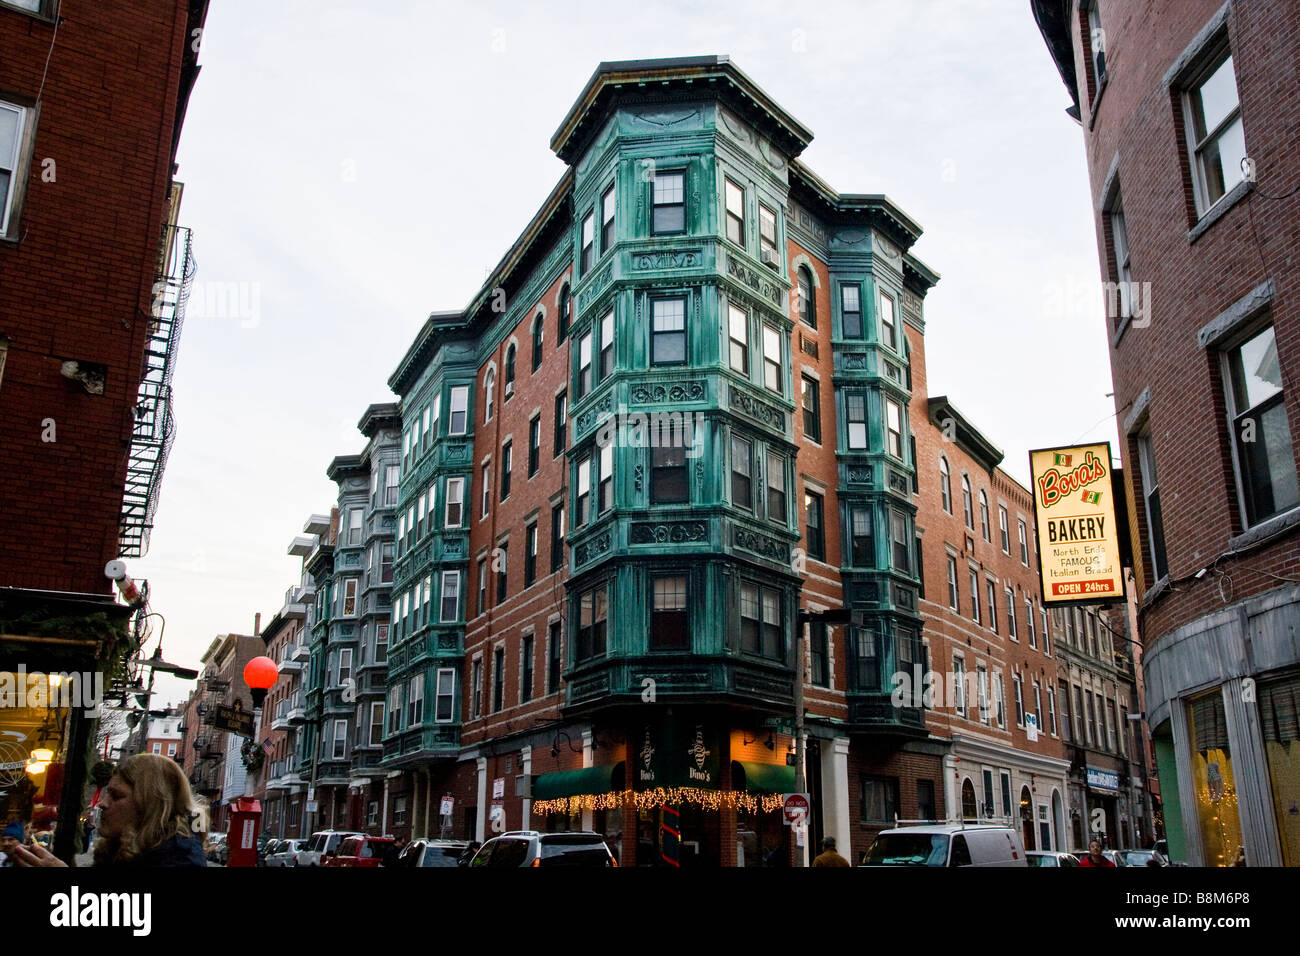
(1265, 531)
(1096, 100)
(1219, 209)
(32, 14)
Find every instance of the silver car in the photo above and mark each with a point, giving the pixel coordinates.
(286, 853)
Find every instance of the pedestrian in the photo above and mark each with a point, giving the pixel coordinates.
(828, 855)
(394, 851)
(1241, 857)
(468, 855)
(1094, 856)
(10, 840)
(145, 816)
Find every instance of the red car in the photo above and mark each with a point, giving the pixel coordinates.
(361, 851)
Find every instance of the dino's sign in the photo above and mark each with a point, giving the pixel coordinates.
(1074, 509)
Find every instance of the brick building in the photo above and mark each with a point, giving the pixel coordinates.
(1191, 119)
(93, 267)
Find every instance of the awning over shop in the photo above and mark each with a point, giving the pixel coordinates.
(761, 777)
(572, 783)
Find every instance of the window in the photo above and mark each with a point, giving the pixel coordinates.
(1261, 434)
(902, 556)
(1006, 534)
(741, 470)
(489, 394)
(1151, 495)
(820, 654)
(982, 692)
(459, 417)
(555, 662)
(509, 389)
(984, 515)
(807, 302)
(925, 800)
(485, 477)
(381, 643)
(557, 537)
(503, 568)
(1029, 621)
(767, 235)
(588, 242)
(812, 410)
(605, 490)
(945, 484)
(738, 329)
(735, 213)
(760, 621)
(354, 526)
(564, 316)
(534, 444)
(776, 489)
(507, 461)
(13, 163)
(530, 555)
(669, 214)
(1051, 709)
(861, 537)
(537, 342)
(607, 220)
(668, 480)
(959, 685)
(988, 793)
(395, 709)
(498, 679)
(1215, 141)
(1011, 615)
(1038, 707)
(1123, 262)
(851, 311)
(814, 509)
(993, 606)
(584, 365)
(1017, 684)
(974, 595)
(526, 669)
(434, 413)
(894, 423)
(450, 595)
(670, 623)
(340, 739)
(607, 344)
(1023, 532)
(668, 335)
(445, 695)
(476, 688)
(592, 612)
(1047, 636)
(1000, 698)
(888, 334)
(879, 802)
(350, 596)
(1069, 728)
(966, 502)
(392, 475)
(415, 701)
(1096, 45)
(856, 409)
(583, 502)
(561, 424)
(772, 359)
(953, 594)
(482, 585)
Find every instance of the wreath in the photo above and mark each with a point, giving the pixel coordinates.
(253, 754)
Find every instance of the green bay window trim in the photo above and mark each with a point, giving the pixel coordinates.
(902, 540)
(855, 405)
(445, 695)
(668, 214)
(670, 627)
(812, 410)
(815, 511)
(607, 344)
(668, 331)
(607, 207)
(458, 419)
(593, 611)
(738, 331)
(584, 365)
(776, 498)
(862, 537)
(767, 236)
(772, 360)
(668, 475)
(742, 494)
(761, 632)
(1216, 143)
(735, 212)
(851, 310)
(807, 302)
(1261, 434)
(588, 256)
(894, 428)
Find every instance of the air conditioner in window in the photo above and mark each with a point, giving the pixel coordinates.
(510, 389)
(769, 259)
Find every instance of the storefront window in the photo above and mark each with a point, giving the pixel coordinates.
(1279, 712)
(33, 724)
(1216, 790)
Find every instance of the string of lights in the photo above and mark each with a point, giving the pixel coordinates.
(660, 796)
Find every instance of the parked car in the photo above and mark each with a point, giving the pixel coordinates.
(322, 844)
(444, 853)
(947, 844)
(1134, 857)
(264, 845)
(1044, 858)
(285, 853)
(213, 844)
(360, 851)
(530, 848)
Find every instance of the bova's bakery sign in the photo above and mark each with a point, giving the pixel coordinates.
(1074, 508)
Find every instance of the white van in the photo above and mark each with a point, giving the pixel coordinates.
(947, 844)
(322, 844)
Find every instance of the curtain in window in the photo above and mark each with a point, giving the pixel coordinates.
(1279, 710)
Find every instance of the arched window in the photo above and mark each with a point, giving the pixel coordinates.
(968, 809)
(945, 484)
(807, 302)
(537, 342)
(566, 307)
(984, 514)
(510, 372)
(966, 506)
(489, 394)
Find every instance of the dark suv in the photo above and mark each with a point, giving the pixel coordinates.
(530, 848)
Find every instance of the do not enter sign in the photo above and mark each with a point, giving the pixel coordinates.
(795, 807)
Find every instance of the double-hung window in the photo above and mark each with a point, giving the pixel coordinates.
(668, 332)
(607, 220)
(945, 484)
(607, 344)
(584, 365)
(812, 410)
(593, 610)
(807, 302)
(862, 538)
(1151, 494)
(894, 427)
(741, 471)
(485, 475)
(902, 541)
(1121, 305)
(974, 595)
(537, 342)
(1011, 615)
(993, 605)
(953, 595)
(13, 164)
(1261, 434)
(669, 215)
(415, 701)
(670, 619)
(1215, 141)
(561, 424)
(534, 444)
(459, 416)
(738, 331)
(450, 596)
(583, 503)
(588, 242)
(776, 488)
(507, 463)
(503, 572)
(557, 537)
(888, 333)
(855, 405)
(1006, 532)
(735, 196)
(668, 480)
(446, 695)
(760, 621)
(605, 490)
(530, 554)
(814, 508)
(767, 235)
(851, 310)
(772, 359)
(1023, 531)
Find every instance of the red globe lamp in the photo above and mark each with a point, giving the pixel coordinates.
(260, 675)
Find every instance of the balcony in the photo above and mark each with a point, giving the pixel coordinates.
(296, 714)
(280, 721)
(302, 546)
(289, 665)
(317, 525)
(304, 593)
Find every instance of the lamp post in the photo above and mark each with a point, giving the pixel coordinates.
(246, 812)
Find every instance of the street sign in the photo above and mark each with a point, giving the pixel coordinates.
(447, 804)
(1031, 727)
(795, 807)
(498, 788)
(782, 725)
(233, 719)
(312, 806)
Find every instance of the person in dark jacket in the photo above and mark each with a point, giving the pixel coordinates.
(144, 819)
(829, 857)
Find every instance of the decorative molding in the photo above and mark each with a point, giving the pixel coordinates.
(759, 411)
(664, 118)
(898, 482)
(761, 544)
(682, 259)
(754, 280)
(592, 548)
(657, 393)
(584, 420)
(773, 158)
(735, 126)
(638, 476)
(853, 360)
(860, 473)
(596, 286)
(672, 532)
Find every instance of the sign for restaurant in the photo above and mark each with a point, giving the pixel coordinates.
(1103, 779)
(1078, 535)
(233, 719)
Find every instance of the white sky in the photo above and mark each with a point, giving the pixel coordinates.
(354, 166)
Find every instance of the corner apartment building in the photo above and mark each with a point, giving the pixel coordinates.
(93, 266)
(1189, 113)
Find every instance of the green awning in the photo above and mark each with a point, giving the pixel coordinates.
(762, 777)
(572, 783)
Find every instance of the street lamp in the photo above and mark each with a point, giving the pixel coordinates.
(260, 674)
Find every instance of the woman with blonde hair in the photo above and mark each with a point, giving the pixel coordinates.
(144, 819)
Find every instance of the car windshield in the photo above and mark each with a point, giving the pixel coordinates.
(908, 849)
(1137, 857)
(1042, 860)
(509, 853)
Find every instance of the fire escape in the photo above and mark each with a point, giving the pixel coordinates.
(154, 429)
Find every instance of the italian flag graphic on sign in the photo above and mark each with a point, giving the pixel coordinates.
(1065, 460)
(1092, 497)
